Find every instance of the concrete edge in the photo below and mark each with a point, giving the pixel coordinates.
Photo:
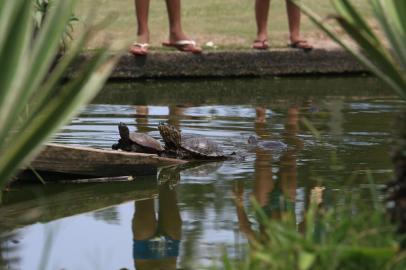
(276, 62)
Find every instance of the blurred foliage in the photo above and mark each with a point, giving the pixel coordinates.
(41, 11)
(352, 235)
(381, 49)
(33, 102)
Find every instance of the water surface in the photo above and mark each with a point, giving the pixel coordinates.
(188, 217)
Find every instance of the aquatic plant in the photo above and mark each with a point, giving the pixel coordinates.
(383, 52)
(33, 102)
(346, 236)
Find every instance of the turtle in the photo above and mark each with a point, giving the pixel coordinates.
(136, 142)
(271, 145)
(189, 147)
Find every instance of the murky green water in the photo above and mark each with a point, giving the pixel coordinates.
(107, 226)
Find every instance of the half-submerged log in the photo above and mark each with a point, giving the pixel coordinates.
(86, 161)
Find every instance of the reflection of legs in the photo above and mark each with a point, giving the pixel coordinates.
(260, 122)
(142, 9)
(141, 121)
(260, 113)
(263, 184)
(175, 113)
(288, 175)
(288, 168)
(144, 221)
(169, 219)
(243, 221)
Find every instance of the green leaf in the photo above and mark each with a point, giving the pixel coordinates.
(306, 260)
(42, 53)
(33, 102)
(347, 10)
(13, 63)
(391, 20)
(374, 56)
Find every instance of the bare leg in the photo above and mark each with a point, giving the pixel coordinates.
(294, 26)
(142, 10)
(261, 16)
(140, 47)
(175, 25)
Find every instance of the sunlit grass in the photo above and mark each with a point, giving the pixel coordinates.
(228, 23)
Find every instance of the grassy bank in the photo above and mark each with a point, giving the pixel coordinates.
(229, 24)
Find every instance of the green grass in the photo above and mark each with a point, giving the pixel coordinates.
(228, 24)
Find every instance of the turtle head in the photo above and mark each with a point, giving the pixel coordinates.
(170, 135)
(252, 140)
(124, 131)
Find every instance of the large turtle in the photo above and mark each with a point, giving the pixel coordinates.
(189, 147)
(136, 142)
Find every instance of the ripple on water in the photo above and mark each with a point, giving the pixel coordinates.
(354, 138)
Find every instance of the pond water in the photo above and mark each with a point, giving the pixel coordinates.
(192, 217)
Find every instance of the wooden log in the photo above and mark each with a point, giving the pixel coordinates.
(79, 160)
(113, 179)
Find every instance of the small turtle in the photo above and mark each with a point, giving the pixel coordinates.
(189, 147)
(136, 142)
(273, 145)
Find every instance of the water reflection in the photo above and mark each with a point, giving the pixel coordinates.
(141, 118)
(156, 238)
(213, 201)
(274, 194)
(9, 247)
(176, 114)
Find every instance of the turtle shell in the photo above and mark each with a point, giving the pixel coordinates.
(202, 146)
(146, 141)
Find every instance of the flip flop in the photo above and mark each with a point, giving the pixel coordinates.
(302, 45)
(184, 46)
(139, 48)
(260, 44)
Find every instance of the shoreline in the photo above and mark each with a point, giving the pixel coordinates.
(223, 64)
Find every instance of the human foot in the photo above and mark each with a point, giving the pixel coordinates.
(139, 48)
(179, 41)
(260, 44)
(184, 45)
(300, 44)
